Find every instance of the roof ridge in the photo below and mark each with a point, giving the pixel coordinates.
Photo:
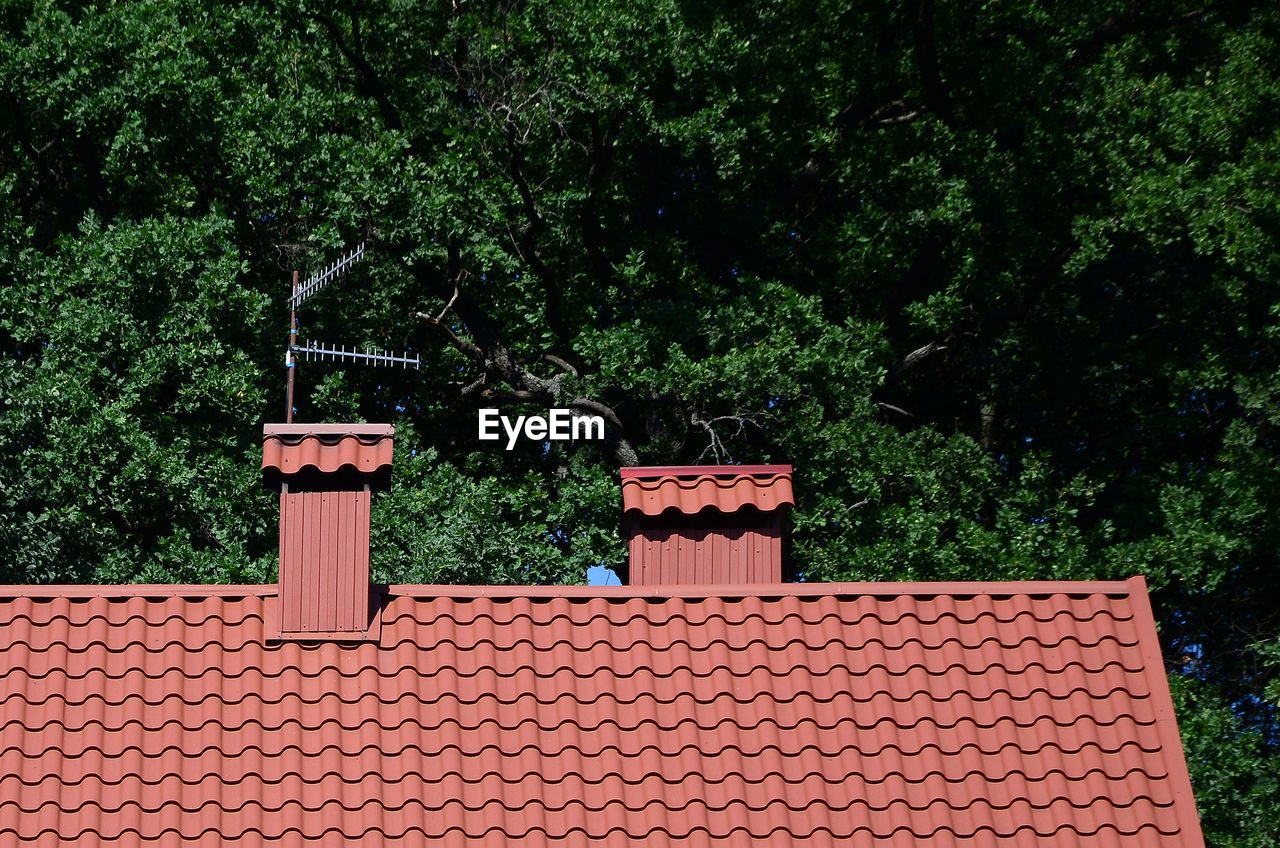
(772, 590)
(138, 590)
(428, 590)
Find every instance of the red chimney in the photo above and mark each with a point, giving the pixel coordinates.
(705, 524)
(325, 474)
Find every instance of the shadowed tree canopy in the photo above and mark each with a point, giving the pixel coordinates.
(998, 279)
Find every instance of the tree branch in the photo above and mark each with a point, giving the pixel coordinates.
(1113, 30)
(896, 410)
(926, 53)
(915, 359)
(500, 366)
(919, 280)
(897, 120)
(598, 408)
(716, 446)
(463, 345)
(985, 324)
(527, 244)
(559, 363)
(600, 156)
(365, 72)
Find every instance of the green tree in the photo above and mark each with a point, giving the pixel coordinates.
(997, 279)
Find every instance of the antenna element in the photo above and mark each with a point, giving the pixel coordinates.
(320, 279)
(320, 352)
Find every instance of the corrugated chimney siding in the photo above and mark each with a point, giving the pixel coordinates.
(324, 561)
(718, 556)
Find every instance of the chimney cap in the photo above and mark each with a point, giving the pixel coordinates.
(319, 456)
(690, 489)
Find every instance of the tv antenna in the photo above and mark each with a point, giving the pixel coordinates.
(319, 351)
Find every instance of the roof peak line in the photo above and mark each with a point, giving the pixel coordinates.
(777, 590)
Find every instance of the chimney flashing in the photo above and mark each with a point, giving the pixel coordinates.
(274, 632)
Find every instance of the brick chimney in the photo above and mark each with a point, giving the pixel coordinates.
(325, 474)
(705, 524)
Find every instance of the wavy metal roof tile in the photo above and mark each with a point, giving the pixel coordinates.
(691, 489)
(327, 448)
(959, 714)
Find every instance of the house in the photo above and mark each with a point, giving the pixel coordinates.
(706, 705)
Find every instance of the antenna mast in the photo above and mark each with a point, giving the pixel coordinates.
(319, 351)
(289, 364)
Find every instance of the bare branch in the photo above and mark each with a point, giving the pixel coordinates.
(473, 387)
(892, 114)
(599, 408)
(915, 359)
(898, 120)
(448, 305)
(516, 396)
(897, 410)
(559, 363)
(716, 446)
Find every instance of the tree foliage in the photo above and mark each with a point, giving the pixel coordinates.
(998, 279)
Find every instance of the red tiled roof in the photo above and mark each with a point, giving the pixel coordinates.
(896, 715)
(691, 489)
(291, 448)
